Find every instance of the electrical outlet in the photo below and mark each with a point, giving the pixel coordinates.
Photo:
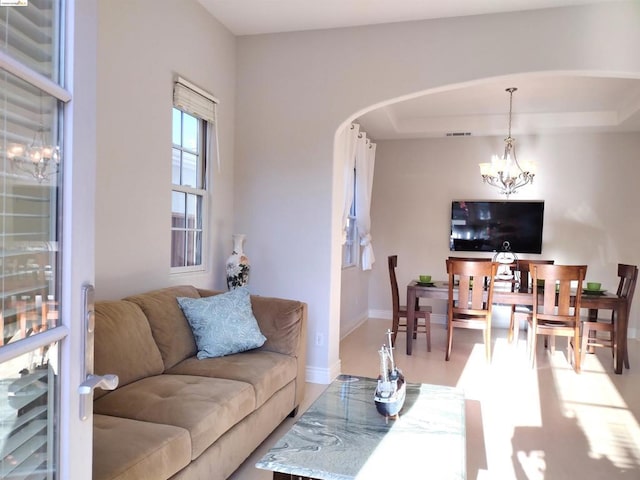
(319, 340)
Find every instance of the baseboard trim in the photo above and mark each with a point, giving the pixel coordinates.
(323, 376)
(387, 315)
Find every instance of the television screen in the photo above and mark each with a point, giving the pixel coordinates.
(484, 226)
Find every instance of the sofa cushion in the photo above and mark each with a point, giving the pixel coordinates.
(267, 372)
(280, 320)
(222, 324)
(123, 343)
(126, 449)
(169, 326)
(206, 407)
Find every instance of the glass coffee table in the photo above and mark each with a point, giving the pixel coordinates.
(343, 437)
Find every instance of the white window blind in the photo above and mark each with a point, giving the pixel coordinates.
(194, 100)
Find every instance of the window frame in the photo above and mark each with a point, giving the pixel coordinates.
(202, 193)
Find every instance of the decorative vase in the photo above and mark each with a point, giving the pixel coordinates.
(237, 264)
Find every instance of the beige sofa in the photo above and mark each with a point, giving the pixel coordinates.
(174, 416)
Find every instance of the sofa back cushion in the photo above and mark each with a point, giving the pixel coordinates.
(169, 327)
(123, 343)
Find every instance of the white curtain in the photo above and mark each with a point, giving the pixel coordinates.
(365, 161)
(347, 144)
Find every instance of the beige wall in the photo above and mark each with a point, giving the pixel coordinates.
(296, 89)
(290, 94)
(588, 183)
(142, 46)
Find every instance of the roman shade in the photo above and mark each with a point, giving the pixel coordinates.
(193, 100)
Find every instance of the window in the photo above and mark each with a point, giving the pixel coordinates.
(32, 105)
(194, 129)
(188, 193)
(351, 246)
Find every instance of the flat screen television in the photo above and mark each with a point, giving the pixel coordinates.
(484, 226)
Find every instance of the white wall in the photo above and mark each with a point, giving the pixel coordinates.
(142, 46)
(588, 183)
(295, 89)
(354, 294)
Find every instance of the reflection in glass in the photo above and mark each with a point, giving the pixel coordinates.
(178, 216)
(176, 127)
(176, 166)
(194, 243)
(189, 170)
(28, 212)
(28, 406)
(189, 132)
(27, 35)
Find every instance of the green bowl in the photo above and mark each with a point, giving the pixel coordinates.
(425, 278)
(594, 285)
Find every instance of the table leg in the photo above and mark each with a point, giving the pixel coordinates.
(411, 318)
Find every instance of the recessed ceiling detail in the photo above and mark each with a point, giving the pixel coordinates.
(545, 104)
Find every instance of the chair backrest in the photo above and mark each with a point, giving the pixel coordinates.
(474, 281)
(523, 267)
(395, 296)
(628, 277)
(471, 259)
(557, 292)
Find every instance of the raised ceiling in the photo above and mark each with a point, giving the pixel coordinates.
(542, 104)
(250, 17)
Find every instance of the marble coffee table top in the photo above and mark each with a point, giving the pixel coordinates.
(342, 436)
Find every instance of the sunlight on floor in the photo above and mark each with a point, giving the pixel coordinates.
(519, 402)
(611, 430)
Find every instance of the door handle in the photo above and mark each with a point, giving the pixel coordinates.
(104, 382)
(86, 388)
(91, 382)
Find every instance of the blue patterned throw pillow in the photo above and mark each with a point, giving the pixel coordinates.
(222, 324)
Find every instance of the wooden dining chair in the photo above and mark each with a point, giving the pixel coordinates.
(628, 275)
(470, 299)
(521, 272)
(556, 309)
(400, 311)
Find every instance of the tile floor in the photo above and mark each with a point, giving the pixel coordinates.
(526, 424)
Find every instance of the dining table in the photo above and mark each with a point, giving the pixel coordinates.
(507, 296)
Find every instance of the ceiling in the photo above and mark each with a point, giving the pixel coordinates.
(542, 103)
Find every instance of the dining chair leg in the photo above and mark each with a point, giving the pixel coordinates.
(427, 325)
(487, 343)
(575, 346)
(515, 330)
(512, 322)
(585, 340)
(394, 330)
(626, 360)
(449, 341)
(531, 342)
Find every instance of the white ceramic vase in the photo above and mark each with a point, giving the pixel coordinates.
(237, 264)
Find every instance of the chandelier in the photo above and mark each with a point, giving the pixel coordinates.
(505, 173)
(39, 159)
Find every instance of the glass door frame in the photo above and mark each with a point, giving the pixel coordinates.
(76, 269)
